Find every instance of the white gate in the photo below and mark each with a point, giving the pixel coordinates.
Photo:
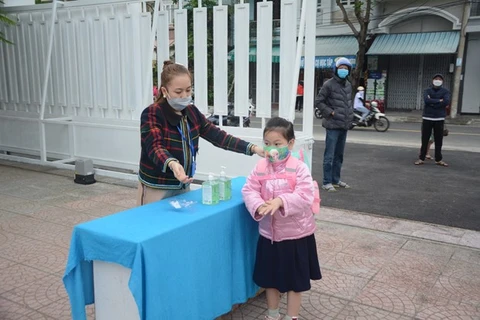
(80, 73)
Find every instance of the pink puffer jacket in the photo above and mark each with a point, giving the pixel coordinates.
(295, 220)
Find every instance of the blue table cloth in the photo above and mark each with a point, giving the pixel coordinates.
(188, 263)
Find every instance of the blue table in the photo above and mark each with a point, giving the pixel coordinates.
(189, 263)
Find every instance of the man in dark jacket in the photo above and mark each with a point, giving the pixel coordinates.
(335, 103)
(436, 98)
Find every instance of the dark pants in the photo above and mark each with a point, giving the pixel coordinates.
(427, 127)
(333, 155)
(299, 103)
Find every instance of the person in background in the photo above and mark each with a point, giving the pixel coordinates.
(436, 98)
(286, 258)
(335, 103)
(170, 129)
(299, 102)
(359, 103)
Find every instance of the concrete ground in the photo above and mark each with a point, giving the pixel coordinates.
(386, 182)
(373, 267)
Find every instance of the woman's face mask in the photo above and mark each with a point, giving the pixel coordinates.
(437, 83)
(179, 103)
(277, 153)
(342, 73)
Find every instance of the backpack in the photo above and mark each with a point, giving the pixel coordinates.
(290, 175)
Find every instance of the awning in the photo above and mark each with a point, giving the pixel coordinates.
(415, 43)
(253, 54)
(327, 50)
(336, 46)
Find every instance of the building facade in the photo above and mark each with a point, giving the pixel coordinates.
(470, 95)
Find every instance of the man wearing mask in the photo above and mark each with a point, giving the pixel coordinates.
(335, 103)
(436, 98)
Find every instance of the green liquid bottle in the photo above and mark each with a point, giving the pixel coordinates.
(210, 191)
(225, 186)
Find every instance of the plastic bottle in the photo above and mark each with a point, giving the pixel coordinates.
(225, 185)
(210, 191)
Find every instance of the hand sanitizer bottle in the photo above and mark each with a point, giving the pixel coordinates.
(225, 185)
(210, 191)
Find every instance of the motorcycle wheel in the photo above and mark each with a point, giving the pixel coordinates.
(382, 124)
(318, 114)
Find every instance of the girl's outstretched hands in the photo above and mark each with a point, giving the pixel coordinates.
(270, 207)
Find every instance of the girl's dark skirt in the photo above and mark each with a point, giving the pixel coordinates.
(287, 265)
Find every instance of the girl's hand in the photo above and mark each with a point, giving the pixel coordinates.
(179, 172)
(270, 207)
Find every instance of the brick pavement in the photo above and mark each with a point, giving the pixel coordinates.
(373, 267)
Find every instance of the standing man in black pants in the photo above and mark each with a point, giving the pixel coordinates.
(436, 98)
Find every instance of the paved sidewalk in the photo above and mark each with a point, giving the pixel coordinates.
(373, 267)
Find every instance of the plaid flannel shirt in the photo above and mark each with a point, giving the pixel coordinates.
(162, 142)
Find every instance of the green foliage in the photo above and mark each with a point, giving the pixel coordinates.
(5, 20)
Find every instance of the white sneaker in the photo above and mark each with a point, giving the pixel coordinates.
(329, 187)
(341, 184)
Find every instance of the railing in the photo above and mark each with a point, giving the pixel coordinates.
(88, 102)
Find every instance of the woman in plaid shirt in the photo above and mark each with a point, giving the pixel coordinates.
(170, 130)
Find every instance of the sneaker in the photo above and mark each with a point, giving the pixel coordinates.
(273, 318)
(329, 187)
(341, 184)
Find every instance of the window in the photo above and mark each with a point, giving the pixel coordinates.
(475, 10)
(347, 3)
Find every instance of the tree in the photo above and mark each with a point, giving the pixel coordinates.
(362, 11)
(5, 20)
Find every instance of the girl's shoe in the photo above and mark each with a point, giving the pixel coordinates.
(273, 318)
(428, 157)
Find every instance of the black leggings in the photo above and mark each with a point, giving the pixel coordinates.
(427, 127)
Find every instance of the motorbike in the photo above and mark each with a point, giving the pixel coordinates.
(376, 118)
(230, 119)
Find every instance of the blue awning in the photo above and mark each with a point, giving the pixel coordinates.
(415, 43)
(327, 50)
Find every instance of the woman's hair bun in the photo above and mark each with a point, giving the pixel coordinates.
(167, 63)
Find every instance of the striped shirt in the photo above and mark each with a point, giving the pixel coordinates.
(162, 142)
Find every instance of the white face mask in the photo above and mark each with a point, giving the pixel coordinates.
(437, 83)
(179, 103)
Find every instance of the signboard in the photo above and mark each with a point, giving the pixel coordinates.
(327, 62)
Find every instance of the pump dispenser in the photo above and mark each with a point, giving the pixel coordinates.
(210, 191)
(225, 185)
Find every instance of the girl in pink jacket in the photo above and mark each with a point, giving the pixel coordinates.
(286, 258)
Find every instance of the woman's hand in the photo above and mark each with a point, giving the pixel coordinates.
(179, 172)
(258, 151)
(270, 207)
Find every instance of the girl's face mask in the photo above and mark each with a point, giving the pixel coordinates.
(276, 153)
